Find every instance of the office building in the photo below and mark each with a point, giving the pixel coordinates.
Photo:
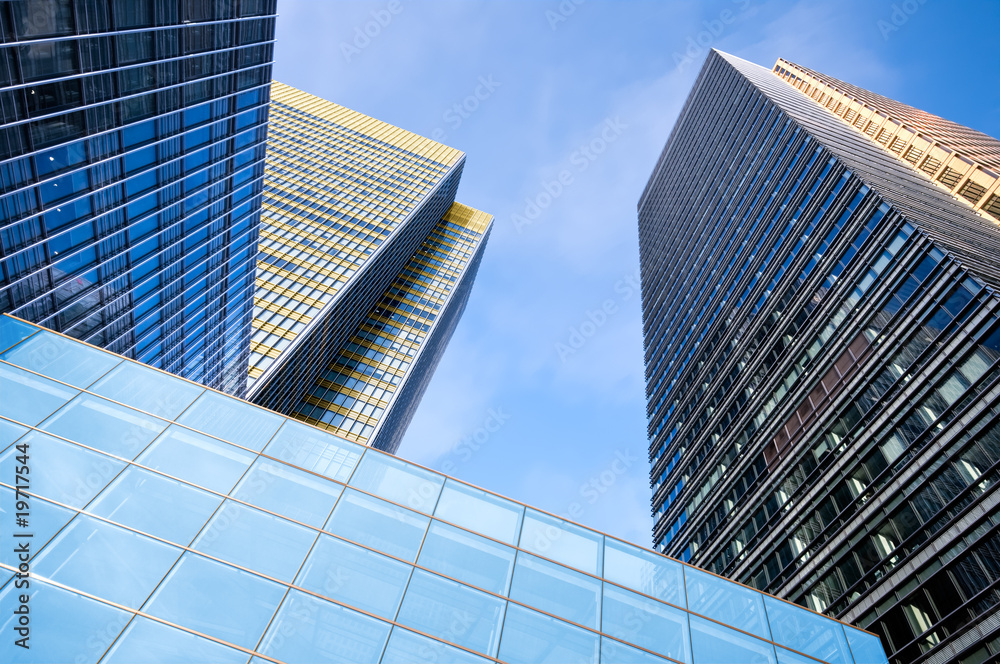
(163, 521)
(820, 272)
(365, 268)
(131, 165)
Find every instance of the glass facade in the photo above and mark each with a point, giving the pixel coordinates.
(822, 334)
(365, 267)
(131, 165)
(163, 521)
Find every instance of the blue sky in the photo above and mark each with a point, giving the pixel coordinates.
(566, 106)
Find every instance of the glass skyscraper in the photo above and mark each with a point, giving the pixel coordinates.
(131, 165)
(820, 307)
(146, 518)
(366, 265)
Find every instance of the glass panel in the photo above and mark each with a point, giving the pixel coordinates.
(646, 623)
(156, 505)
(256, 540)
(12, 331)
(788, 657)
(619, 653)
(29, 398)
(308, 630)
(105, 426)
(62, 471)
(405, 647)
(644, 571)
(561, 541)
(59, 358)
(866, 648)
(149, 642)
(217, 600)
(452, 612)
(725, 601)
(44, 521)
(288, 491)
(478, 510)
(355, 576)
(304, 446)
(535, 638)
(196, 458)
(714, 644)
(469, 558)
(65, 627)
(9, 432)
(153, 391)
(556, 589)
(231, 419)
(398, 481)
(808, 632)
(106, 561)
(378, 525)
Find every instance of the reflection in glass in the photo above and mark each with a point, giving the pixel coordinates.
(290, 492)
(308, 630)
(307, 447)
(196, 458)
(406, 647)
(534, 638)
(398, 481)
(105, 426)
(714, 644)
(147, 389)
(62, 359)
(65, 627)
(256, 540)
(216, 599)
(480, 511)
(644, 571)
(156, 505)
(646, 623)
(562, 541)
(232, 420)
(556, 589)
(467, 557)
(9, 432)
(378, 525)
(866, 648)
(13, 331)
(62, 471)
(356, 576)
(29, 398)
(146, 641)
(726, 602)
(808, 632)
(106, 561)
(452, 612)
(620, 653)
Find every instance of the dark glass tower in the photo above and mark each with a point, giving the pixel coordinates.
(131, 165)
(820, 271)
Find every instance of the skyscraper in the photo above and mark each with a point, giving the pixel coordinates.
(162, 521)
(366, 265)
(131, 165)
(820, 272)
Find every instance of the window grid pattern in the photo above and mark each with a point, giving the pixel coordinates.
(356, 555)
